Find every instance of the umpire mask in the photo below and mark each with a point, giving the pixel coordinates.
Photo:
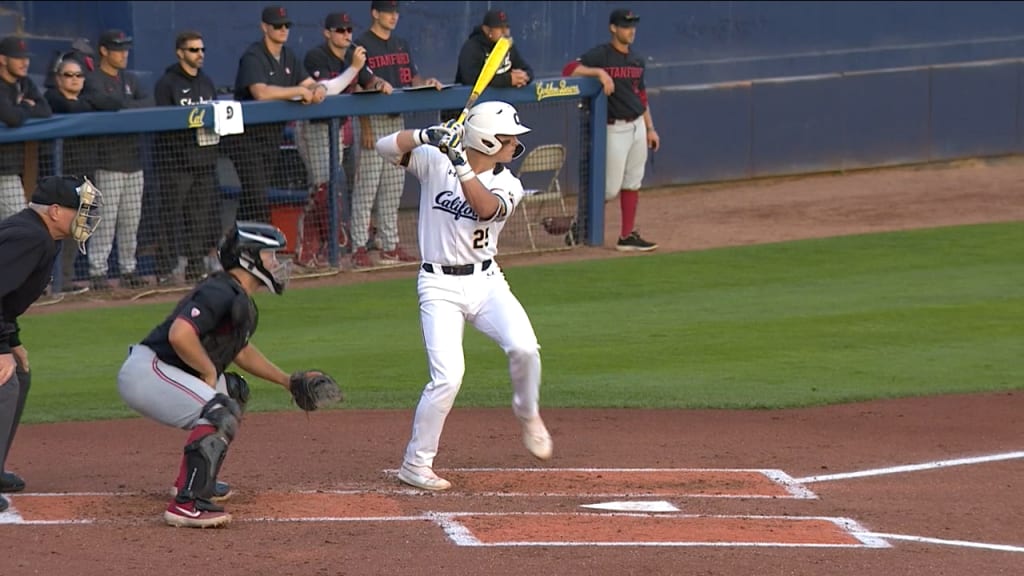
(88, 217)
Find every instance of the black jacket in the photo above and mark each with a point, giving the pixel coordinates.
(122, 152)
(27, 252)
(79, 152)
(177, 88)
(473, 55)
(13, 113)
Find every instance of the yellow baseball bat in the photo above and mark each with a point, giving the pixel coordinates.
(491, 65)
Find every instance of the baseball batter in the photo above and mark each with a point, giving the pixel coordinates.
(630, 126)
(466, 197)
(176, 375)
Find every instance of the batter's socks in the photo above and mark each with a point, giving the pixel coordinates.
(197, 433)
(628, 199)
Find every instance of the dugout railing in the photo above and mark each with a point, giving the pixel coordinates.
(566, 111)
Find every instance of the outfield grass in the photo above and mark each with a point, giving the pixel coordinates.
(794, 324)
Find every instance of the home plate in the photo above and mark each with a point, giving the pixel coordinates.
(651, 506)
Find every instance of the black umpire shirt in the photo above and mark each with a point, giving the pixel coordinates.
(627, 71)
(223, 315)
(322, 64)
(389, 59)
(120, 153)
(27, 252)
(259, 66)
(13, 113)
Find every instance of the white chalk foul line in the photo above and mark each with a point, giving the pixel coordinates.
(911, 467)
(962, 543)
(460, 535)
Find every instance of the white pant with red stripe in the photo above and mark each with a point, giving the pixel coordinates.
(163, 392)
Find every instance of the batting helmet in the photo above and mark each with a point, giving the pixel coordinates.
(242, 247)
(488, 120)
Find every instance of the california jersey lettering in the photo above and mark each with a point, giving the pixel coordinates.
(450, 231)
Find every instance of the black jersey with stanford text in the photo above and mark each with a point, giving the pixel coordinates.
(627, 71)
(322, 64)
(224, 318)
(389, 59)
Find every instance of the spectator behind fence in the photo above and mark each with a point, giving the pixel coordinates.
(78, 154)
(19, 100)
(268, 70)
(630, 129)
(81, 50)
(186, 160)
(118, 164)
(514, 71)
(341, 70)
(380, 183)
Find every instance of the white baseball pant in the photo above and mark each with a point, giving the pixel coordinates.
(626, 158)
(381, 181)
(12, 195)
(120, 213)
(164, 393)
(485, 301)
(315, 152)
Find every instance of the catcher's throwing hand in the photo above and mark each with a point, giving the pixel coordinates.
(313, 389)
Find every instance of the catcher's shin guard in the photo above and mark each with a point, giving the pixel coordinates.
(203, 459)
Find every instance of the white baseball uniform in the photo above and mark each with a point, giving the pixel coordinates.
(459, 281)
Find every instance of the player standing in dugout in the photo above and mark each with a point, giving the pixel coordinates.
(630, 127)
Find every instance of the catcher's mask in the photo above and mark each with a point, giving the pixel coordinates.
(76, 193)
(488, 120)
(253, 246)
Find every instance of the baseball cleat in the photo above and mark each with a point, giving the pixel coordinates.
(537, 439)
(422, 477)
(11, 482)
(634, 243)
(195, 514)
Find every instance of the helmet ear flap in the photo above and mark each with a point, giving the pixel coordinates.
(519, 150)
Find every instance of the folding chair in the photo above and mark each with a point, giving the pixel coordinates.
(546, 158)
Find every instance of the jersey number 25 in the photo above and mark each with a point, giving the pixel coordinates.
(481, 238)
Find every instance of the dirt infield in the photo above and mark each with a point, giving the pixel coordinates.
(811, 491)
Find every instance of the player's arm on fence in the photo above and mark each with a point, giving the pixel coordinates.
(588, 65)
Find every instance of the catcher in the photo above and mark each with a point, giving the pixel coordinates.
(177, 377)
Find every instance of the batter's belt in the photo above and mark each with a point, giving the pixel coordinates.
(462, 270)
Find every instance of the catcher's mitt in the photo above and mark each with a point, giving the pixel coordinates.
(312, 389)
(557, 225)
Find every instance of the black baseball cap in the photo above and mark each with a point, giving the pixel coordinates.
(14, 47)
(115, 40)
(496, 19)
(59, 190)
(275, 15)
(384, 5)
(337, 20)
(624, 18)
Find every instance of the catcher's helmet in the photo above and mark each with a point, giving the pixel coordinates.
(489, 119)
(243, 245)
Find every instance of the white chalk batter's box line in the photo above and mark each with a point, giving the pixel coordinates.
(463, 536)
(793, 488)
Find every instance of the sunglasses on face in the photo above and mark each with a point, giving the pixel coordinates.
(281, 26)
(195, 50)
(343, 30)
(72, 74)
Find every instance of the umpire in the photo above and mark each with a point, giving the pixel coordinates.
(61, 207)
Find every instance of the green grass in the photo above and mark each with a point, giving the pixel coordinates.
(794, 324)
